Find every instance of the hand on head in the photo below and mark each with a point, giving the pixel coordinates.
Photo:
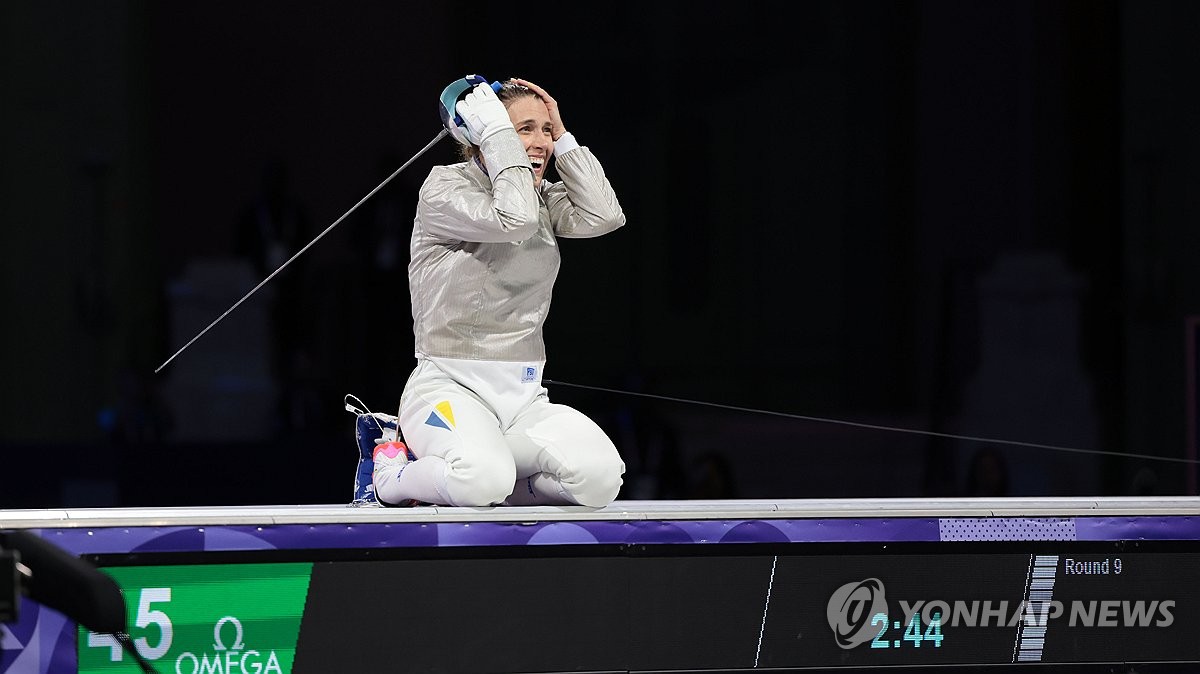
(551, 106)
(483, 113)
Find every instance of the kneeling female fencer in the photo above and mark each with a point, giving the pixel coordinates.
(479, 426)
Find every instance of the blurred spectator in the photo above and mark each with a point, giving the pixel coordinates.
(712, 477)
(1144, 482)
(273, 227)
(139, 415)
(988, 474)
(648, 444)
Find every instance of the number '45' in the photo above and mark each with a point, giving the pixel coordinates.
(146, 616)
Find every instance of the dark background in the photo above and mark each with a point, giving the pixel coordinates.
(967, 218)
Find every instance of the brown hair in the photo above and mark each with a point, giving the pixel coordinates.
(508, 93)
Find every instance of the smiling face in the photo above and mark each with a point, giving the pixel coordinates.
(532, 122)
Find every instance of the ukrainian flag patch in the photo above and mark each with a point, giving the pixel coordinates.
(442, 416)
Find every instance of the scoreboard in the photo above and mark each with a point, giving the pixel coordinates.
(658, 607)
(831, 586)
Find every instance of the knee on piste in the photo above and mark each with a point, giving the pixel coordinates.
(480, 480)
(595, 481)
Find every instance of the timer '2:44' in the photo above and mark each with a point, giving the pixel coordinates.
(912, 632)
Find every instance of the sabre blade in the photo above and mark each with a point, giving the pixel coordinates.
(441, 134)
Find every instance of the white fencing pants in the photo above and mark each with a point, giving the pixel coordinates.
(486, 433)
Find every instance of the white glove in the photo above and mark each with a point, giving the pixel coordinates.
(483, 114)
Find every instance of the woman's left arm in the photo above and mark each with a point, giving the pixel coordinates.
(583, 204)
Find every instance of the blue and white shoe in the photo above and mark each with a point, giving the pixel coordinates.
(373, 431)
(370, 430)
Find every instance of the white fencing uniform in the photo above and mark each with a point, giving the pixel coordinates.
(484, 261)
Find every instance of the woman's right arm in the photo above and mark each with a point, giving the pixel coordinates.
(453, 205)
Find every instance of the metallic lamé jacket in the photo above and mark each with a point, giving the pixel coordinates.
(484, 256)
